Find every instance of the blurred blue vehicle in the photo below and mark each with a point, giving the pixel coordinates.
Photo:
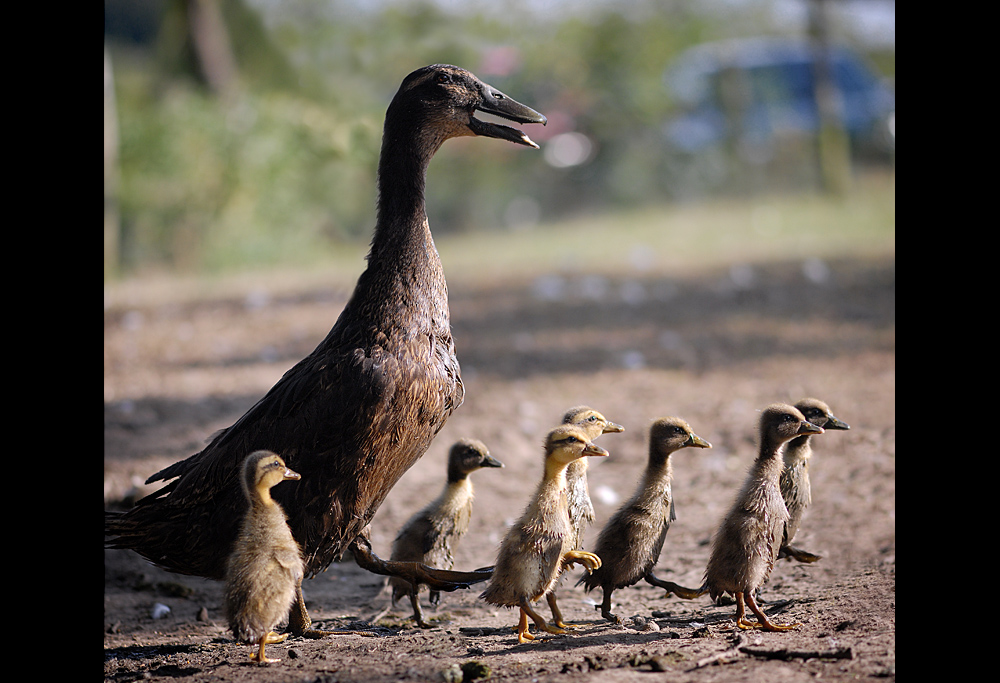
(754, 93)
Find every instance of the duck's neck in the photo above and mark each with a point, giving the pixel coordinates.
(404, 269)
(261, 497)
(553, 486)
(456, 494)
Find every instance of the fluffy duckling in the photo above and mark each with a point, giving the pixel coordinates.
(539, 545)
(579, 505)
(629, 545)
(795, 487)
(746, 545)
(265, 567)
(430, 534)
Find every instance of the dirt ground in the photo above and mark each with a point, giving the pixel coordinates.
(713, 347)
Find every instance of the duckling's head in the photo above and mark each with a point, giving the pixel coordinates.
(567, 443)
(441, 100)
(467, 456)
(590, 421)
(820, 414)
(669, 434)
(264, 469)
(781, 422)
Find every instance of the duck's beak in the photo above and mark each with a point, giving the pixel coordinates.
(809, 428)
(833, 423)
(290, 474)
(594, 449)
(490, 461)
(496, 103)
(695, 441)
(611, 427)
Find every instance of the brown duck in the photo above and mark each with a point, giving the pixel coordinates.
(265, 568)
(430, 535)
(360, 409)
(579, 505)
(746, 545)
(795, 486)
(538, 547)
(629, 545)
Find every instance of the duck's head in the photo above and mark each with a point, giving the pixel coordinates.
(264, 469)
(780, 423)
(441, 101)
(467, 456)
(590, 421)
(820, 414)
(567, 443)
(669, 434)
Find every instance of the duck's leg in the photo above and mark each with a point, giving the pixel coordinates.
(418, 613)
(790, 552)
(606, 606)
(557, 617)
(300, 624)
(765, 623)
(676, 589)
(538, 619)
(415, 572)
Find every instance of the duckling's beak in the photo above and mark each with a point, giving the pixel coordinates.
(594, 449)
(496, 103)
(833, 423)
(611, 427)
(695, 441)
(809, 428)
(289, 474)
(490, 461)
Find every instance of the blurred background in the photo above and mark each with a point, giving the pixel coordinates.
(243, 134)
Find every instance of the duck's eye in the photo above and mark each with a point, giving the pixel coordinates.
(443, 78)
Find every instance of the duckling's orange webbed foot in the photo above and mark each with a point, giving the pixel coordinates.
(540, 623)
(557, 617)
(764, 622)
(258, 656)
(588, 560)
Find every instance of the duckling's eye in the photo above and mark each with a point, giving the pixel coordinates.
(592, 418)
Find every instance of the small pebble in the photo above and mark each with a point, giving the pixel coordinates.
(202, 614)
(293, 653)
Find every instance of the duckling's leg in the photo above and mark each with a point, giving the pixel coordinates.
(606, 606)
(765, 623)
(676, 589)
(741, 614)
(588, 560)
(540, 622)
(522, 628)
(790, 552)
(557, 617)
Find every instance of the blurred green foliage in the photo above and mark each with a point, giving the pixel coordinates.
(284, 169)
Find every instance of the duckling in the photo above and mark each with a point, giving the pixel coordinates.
(629, 545)
(539, 546)
(579, 505)
(746, 545)
(430, 534)
(795, 487)
(265, 568)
